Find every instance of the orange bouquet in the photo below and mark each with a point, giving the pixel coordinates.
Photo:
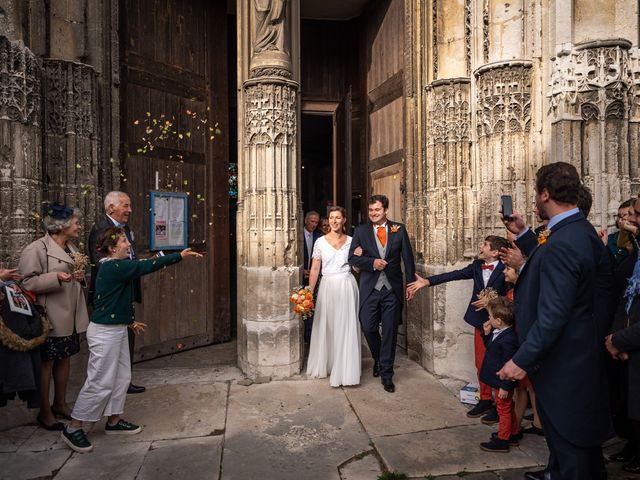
(302, 300)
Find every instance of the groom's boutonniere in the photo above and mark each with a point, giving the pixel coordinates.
(543, 236)
(395, 228)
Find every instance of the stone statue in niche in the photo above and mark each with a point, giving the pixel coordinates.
(270, 18)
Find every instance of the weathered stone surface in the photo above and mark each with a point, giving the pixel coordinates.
(174, 411)
(365, 468)
(419, 403)
(292, 429)
(109, 461)
(26, 466)
(197, 458)
(12, 440)
(449, 451)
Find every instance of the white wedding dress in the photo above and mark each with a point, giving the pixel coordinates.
(335, 337)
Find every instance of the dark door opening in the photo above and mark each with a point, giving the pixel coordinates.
(317, 162)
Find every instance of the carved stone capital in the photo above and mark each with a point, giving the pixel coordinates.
(270, 113)
(20, 73)
(597, 80)
(503, 98)
(270, 72)
(71, 101)
(448, 111)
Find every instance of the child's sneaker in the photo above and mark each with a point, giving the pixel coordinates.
(514, 439)
(77, 440)
(122, 428)
(495, 445)
(480, 409)
(491, 417)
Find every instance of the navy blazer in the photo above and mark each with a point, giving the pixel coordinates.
(94, 256)
(560, 339)
(307, 255)
(499, 352)
(398, 251)
(473, 271)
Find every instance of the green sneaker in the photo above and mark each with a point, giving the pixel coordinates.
(77, 441)
(122, 428)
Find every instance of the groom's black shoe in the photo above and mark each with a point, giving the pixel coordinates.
(538, 475)
(388, 385)
(376, 369)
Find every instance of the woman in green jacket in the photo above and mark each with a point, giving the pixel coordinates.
(109, 367)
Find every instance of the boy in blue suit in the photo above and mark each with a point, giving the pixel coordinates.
(501, 342)
(487, 271)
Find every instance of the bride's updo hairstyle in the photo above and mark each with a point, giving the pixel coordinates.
(342, 211)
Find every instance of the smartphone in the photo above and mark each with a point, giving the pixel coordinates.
(507, 206)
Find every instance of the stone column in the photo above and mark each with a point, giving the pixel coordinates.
(20, 148)
(269, 335)
(70, 137)
(593, 96)
(438, 194)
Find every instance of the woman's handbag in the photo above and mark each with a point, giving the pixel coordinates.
(19, 330)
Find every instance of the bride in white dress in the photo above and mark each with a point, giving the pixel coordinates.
(335, 338)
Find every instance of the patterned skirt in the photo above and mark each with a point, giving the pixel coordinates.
(58, 348)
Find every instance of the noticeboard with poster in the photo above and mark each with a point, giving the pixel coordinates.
(168, 221)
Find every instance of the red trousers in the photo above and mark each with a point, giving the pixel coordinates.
(508, 425)
(479, 351)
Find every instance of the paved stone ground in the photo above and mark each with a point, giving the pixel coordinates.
(202, 421)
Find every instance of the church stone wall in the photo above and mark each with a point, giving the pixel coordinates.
(505, 87)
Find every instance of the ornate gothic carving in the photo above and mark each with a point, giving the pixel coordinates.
(270, 72)
(434, 37)
(485, 31)
(270, 113)
(593, 82)
(70, 98)
(503, 98)
(467, 34)
(20, 74)
(448, 114)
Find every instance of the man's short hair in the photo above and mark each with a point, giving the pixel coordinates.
(309, 213)
(561, 180)
(497, 242)
(585, 200)
(502, 308)
(113, 198)
(627, 203)
(379, 198)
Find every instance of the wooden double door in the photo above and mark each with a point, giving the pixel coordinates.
(173, 68)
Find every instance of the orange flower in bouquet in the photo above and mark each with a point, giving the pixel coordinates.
(302, 300)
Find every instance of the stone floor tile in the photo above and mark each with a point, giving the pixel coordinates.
(447, 452)
(12, 439)
(364, 468)
(419, 403)
(290, 430)
(29, 465)
(195, 458)
(116, 461)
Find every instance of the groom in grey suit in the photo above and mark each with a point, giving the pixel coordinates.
(385, 245)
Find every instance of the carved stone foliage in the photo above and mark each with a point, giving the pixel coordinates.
(20, 74)
(595, 82)
(434, 37)
(448, 114)
(70, 98)
(270, 113)
(503, 98)
(485, 31)
(468, 31)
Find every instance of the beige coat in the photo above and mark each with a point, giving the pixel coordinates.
(65, 303)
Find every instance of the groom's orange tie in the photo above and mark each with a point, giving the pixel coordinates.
(381, 232)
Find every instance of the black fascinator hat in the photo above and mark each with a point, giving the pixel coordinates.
(58, 211)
